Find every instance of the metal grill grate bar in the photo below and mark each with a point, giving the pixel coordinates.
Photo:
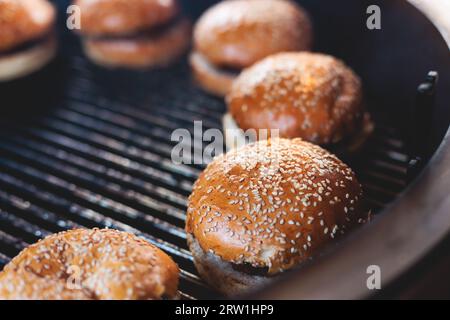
(94, 179)
(94, 200)
(32, 233)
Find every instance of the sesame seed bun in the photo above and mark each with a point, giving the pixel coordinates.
(272, 205)
(312, 96)
(140, 52)
(90, 264)
(236, 33)
(24, 20)
(121, 17)
(25, 62)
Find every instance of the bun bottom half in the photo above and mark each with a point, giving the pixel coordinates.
(140, 52)
(210, 78)
(28, 61)
(221, 275)
(235, 138)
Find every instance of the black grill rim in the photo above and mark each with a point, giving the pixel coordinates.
(405, 241)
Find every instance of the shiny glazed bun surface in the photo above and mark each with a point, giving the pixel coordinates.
(273, 204)
(90, 264)
(237, 33)
(308, 95)
(119, 17)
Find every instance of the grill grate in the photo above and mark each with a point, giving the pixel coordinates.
(100, 156)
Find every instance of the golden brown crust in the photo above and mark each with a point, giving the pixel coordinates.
(273, 204)
(24, 20)
(141, 52)
(308, 95)
(237, 33)
(90, 264)
(210, 78)
(118, 17)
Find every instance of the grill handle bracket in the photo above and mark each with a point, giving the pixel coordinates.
(421, 120)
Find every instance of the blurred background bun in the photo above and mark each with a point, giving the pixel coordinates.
(234, 34)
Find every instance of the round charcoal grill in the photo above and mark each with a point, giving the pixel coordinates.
(81, 146)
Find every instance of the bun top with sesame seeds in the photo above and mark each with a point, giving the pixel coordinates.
(90, 264)
(273, 204)
(237, 33)
(307, 95)
(24, 20)
(122, 17)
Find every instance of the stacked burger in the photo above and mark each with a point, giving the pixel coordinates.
(133, 33)
(27, 39)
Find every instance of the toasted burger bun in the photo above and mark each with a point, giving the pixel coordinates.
(25, 62)
(270, 205)
(140, 52)
(122, 17)
(90, 264)
(235, 34)
(312, 96)
(24, 20)
(133, 33)
(210, 78)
